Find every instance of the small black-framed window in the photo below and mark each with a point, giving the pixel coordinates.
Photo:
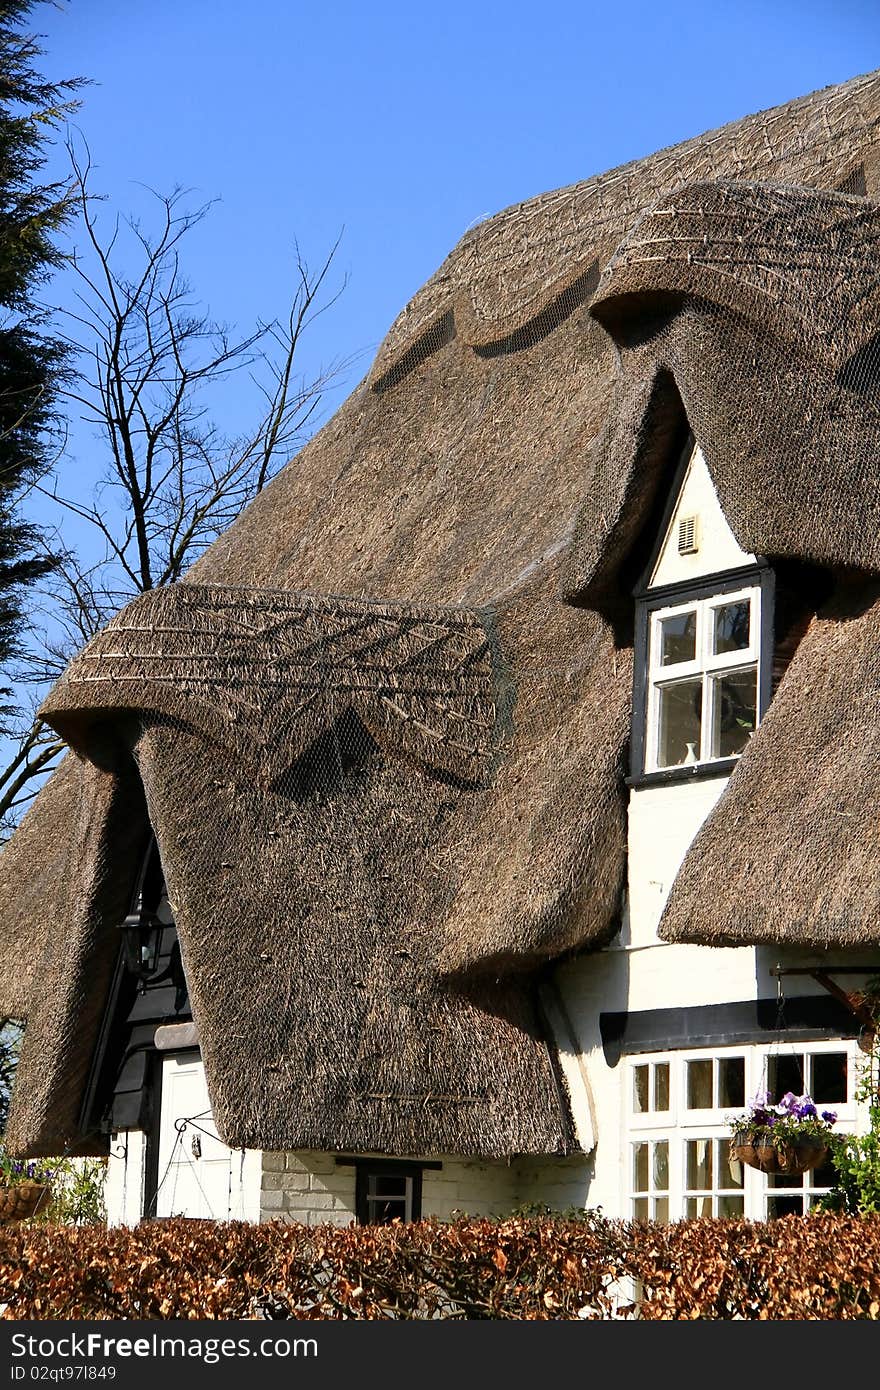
(387, 1189)
(703, 674)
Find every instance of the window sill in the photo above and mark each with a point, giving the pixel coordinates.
(693, 772)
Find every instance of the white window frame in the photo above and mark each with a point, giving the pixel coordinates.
(678, 1125)
(706, 665)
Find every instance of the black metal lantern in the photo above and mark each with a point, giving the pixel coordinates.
(141, 940)
(142, 929)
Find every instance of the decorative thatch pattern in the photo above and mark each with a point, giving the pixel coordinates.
(264, 673)
(505, 271)
(791, 853)
(804, 263)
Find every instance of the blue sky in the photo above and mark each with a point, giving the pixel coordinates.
(405, 124)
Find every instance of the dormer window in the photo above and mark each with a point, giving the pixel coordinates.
(703, 638)
(703, 678)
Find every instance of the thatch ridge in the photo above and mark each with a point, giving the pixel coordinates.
(506, 270)
(263, 673)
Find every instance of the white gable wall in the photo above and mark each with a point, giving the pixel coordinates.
(717, 550)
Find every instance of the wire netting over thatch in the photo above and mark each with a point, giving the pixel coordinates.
(379, 819)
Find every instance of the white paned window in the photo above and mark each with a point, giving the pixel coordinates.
(678, 1132)
(703, 679)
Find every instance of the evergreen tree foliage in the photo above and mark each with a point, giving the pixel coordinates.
(32, 361)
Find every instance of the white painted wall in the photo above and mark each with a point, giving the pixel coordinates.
(124, 1183)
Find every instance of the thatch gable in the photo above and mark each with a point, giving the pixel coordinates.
(103, 834)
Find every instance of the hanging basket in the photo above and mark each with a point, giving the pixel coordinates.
(792, 1156)
(21, 1201)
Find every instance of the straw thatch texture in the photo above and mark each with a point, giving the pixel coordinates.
(33, 886)
(790, 853)
(103, 834)
(761, 307)
(321, 1018)
(544, 851)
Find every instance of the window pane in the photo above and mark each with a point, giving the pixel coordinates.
(640, 1167)
(785, 1072)
(699, 1085)
(381, 1212)
(661, 1166)
(785, 1180)
(678, 638)
(640, 1209)
(822, 1177)
(735, 708)
(730, 630)
(640, 1089)
(829, 1077)
(730, 1169)
(661, 1209)
(699, 1163)
(698, 1206)
(661, 1086)
(731, 1082)
(779, 1205)
(730, 1206)
(387, 1185)
(729, 1174)
(680, 711)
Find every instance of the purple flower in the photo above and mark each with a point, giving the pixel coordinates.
(806, 1110)
(830, 1117)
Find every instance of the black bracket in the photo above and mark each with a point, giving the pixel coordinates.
(867, 1016)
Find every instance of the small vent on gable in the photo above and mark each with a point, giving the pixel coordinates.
(687, 536)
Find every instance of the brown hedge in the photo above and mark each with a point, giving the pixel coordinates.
(815, 1267)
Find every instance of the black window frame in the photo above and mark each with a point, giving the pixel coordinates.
(366, 1168)
(648, 601)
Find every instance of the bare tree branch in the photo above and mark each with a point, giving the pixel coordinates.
(150, 362)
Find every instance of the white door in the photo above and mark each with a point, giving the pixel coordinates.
(198, 1174)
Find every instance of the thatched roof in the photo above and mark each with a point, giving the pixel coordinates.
(755, 308)
(791, 855)
(380, 814)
